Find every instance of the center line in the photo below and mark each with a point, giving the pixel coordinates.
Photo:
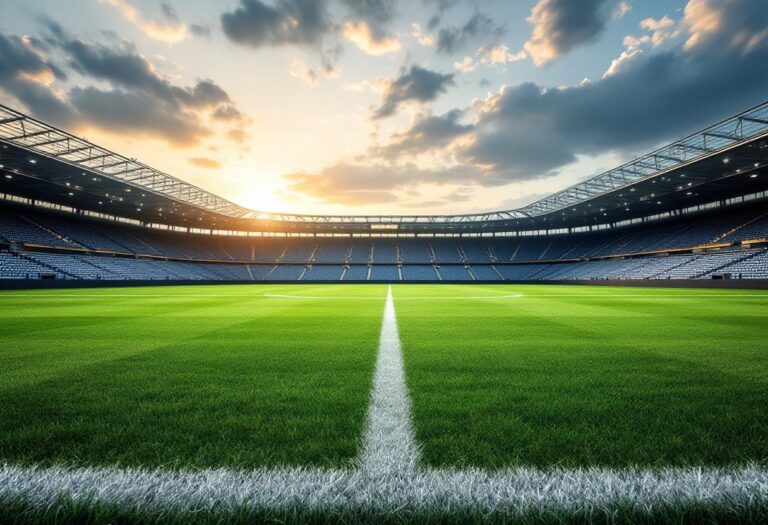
(389, 445)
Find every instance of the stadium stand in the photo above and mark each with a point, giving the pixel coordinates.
(58, 245)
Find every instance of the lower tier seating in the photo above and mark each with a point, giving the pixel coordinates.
(37, 244)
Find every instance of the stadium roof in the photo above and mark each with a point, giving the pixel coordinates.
(39, 161)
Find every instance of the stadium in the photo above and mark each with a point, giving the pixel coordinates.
(170, 355)
(694, 209)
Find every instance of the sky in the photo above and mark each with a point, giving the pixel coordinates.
(383, 106)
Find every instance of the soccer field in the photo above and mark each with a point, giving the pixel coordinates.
(320, 388)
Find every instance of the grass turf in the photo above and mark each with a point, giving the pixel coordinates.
(190, 377)
(564, 377)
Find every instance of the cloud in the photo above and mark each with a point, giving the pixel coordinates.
(26, 75)
(526, 131)
(287, 22)
(170, 29)
(465, 65)
(200, 30)
(362, 34)
(621, 9)
(382, 11)
(427, 133)
(299, 69)
(740, 25)
(455, 38)
(423, 39)
(238, 136)
(562, 25)
(368, 26)
(359, 184)
(138, 114)
(205, 163)
(136, 98)
(441, 6)
(493, 55)
(414, 85)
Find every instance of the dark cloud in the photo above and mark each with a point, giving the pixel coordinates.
(286, 22)
(138, 114)
(524, 131)
(376, 12)
(479, 27)
(25, 75)
(138, 100)
(123, 66)
(200, 30)
(229, 113)
(562, 25)
(441, 6)
(169, 12)
(417, 84)
(428, 133)
(528, 131)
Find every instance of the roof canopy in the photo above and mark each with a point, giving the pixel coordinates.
(42, 162)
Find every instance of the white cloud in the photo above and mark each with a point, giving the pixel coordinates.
(423, 39)
(493, 55)
(622, 8)
(466, 65)
(362, 35)
(172, 31)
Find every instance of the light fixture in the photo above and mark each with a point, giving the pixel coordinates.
(32, 161)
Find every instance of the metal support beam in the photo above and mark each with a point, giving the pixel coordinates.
(71, 151)
(755, 120)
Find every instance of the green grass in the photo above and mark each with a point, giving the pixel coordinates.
(238, 381)
(223, 376)
(657, 380)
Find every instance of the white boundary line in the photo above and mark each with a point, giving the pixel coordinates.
(388, 478)
(514, 492)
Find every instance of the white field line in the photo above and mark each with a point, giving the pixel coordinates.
(389, 446)
(511, 492)
(387, 479)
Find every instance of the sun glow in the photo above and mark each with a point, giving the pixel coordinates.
(257, 188)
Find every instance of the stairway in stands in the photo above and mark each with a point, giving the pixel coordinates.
(56, 234)
(54, 269)
(729, 263)
(739, 227)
